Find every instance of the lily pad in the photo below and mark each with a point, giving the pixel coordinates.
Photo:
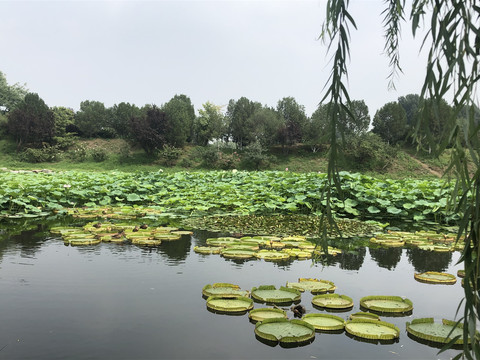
(364, 315)
(433, 277)
(207, 249)
(145, 241)
(427, 329)
(74, 241)
(332, 301)
(372, 329)
(229, 305)
(272, 255)
(224, 290)
(270, 294)
(266, 313)
(234, 253)
(285, 331)
(386, 304)
(324, 322)
(298, 253)
(315, 286)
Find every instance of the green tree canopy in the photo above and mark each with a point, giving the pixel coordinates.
(209, 124)
(118, 118)
(149, 129)
(390, 122)
(240, 122)
(294, 120)
(31, 122)
(10, 95)
(181, 115)
(91, 118)
(63, 117)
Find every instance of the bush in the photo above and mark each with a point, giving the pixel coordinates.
(64, 142)
(170, 155)
(45, 154)
(209, 156)
(228, 161)
(369, 152)
(78, 153)
(255, 157)
(98, 154)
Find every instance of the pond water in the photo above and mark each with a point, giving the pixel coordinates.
(127, 302)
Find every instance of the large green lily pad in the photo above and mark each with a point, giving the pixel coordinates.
(315, 286)
(229, 305)
(272, 255)
(433, 277)
(324, 322)
(364, 315)
(427, 329)
(207, 249)
(266, 313)
(332, 301)
(234, 253)
(285, 331)
(225, 290)
(270, 294)
(372, 329)
(386, 304)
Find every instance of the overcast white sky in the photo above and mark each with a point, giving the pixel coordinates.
(145, 52)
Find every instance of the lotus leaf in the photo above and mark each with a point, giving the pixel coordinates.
(427, 329)
(386, 304)
(332, 301)
(324, 322)
(266, 313)
(372, 329)
(222, 241)
(82, 241)
(233, 253)
(146, 241)
(364, 315)
(433, 277)
(224, 290)
(207, 249)
(285, 331)
(242, 246)
(272, 255)
(315, 286)
(229, 305)
(167, 237)
(269, 294)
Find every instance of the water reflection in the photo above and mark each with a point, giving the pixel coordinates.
(348, 259)
(424, 260)
(386, 258)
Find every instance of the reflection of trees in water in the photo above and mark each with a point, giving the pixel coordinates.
(424, 260)
(176, 250)
(28, 236)
(387, 258)
(347, 260)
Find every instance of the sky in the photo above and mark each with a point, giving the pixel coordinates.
(145, 52)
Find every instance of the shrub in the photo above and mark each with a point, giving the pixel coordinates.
(98, 154)
(228, 161)
(255, 157)
(369, 152)
(170, 155)
(45, 154)
(78, 153)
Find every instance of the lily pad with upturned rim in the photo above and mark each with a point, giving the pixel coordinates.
(229, 305)
(372, 329)
(433, 277)
(325, 322)
(205, 250)
(332, 301)
(272, 255)
(233, 253)
(270, 294)
(315, 286)
(386, 304)
(285, 331)
(266, 313)
(364, 315)
(225, 290)
(427, 329)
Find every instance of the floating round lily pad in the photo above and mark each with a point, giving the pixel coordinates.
(234, 253)
(271, 255)
(364, 315)
(266, 313)
(288, 332)
(229, 305)
(315, 286)
(225, 290)
(427, 329)
(145, 241)
(182, 232)
(270, 294)
(207, 249)
(324, 322)
(298, 253)
(332, 301)
(386, 304)
(372, 329)
(433, 277)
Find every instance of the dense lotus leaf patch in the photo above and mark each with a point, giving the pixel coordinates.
(285, 331)
(270, 294)
(372, 329)
(324, 322)
(225, 290)
(221, 304)
(364, 315)
(332, 301)
(266, 313)
(427, 329)
(386, 304)
(315, 286)
(433, 277)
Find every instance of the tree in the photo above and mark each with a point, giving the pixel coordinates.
(149, 129)
(91, 119)
(453, 43)
(294, 119)
(181, 115)
(31, 122)
(63, 117)
(390, 122)
(10, 95)
(240, 122)
(411, 105)
(209, 124)
(119, 118)
(266, 124)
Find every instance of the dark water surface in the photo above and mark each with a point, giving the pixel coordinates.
(115, 301)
